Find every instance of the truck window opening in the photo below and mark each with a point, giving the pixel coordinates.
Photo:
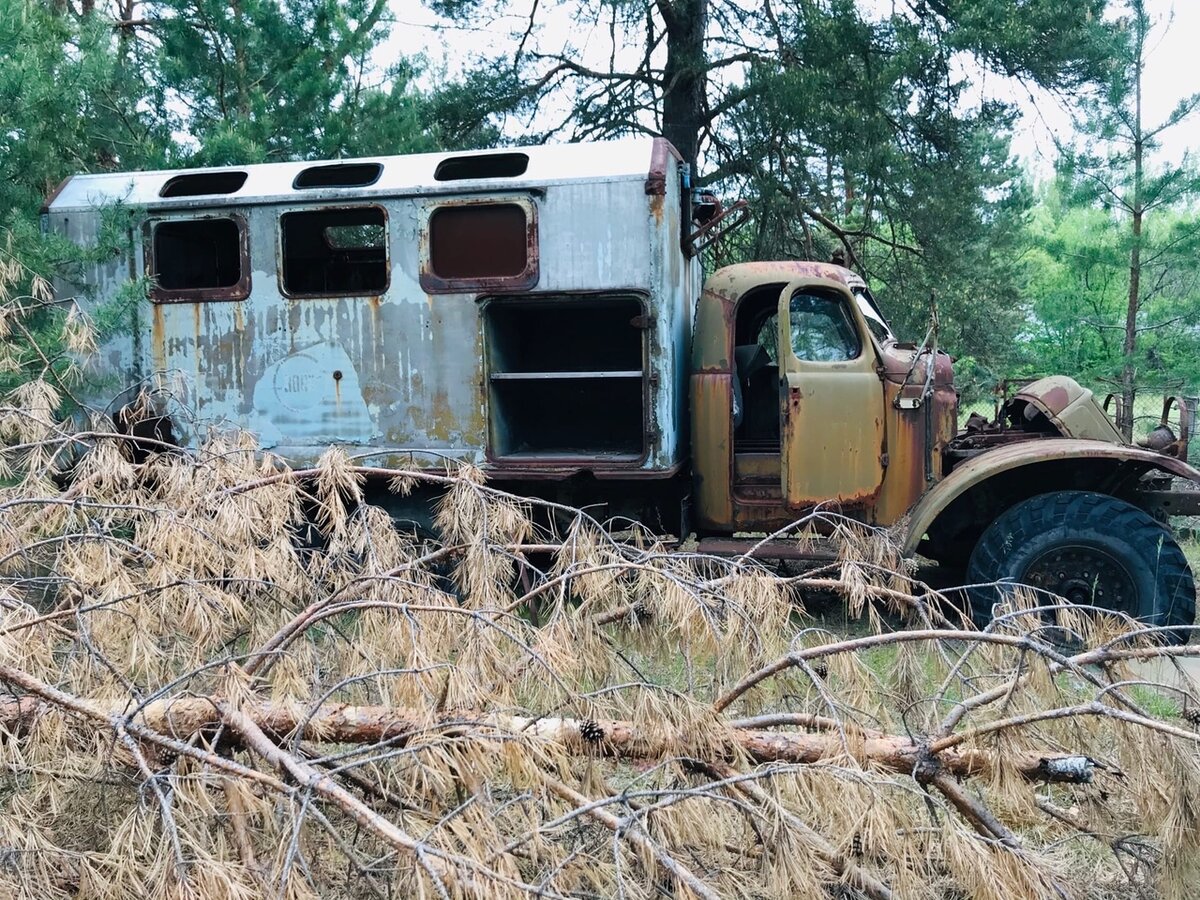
(198, 184)
(756, 372)
(566, 376)
(875, 323)
(196, 255)
(478, 240)
(340, 175)
(487, 165)
(333, 252)
(822, 330)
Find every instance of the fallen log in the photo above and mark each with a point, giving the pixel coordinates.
(181, 718)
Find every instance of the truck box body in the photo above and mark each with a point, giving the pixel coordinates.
(528, 311)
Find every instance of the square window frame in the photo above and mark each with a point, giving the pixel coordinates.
(432, 283)
(513, 464)
(234, 292)
(340, 207)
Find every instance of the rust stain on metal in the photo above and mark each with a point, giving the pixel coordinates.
(712, 446)
(442, 423)
(158, 339)
(1071, 407)
(660, 156)
(656, 206)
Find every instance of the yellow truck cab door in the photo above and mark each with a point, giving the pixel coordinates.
(832, 433)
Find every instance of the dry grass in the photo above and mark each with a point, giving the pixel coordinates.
(198, 703)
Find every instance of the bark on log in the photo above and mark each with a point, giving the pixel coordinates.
(338, 723)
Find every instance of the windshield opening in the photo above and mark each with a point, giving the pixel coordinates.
(879, 328)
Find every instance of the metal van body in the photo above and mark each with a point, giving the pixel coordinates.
(405, 345)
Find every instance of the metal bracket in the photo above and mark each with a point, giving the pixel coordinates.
(718, 226)
(908, 402)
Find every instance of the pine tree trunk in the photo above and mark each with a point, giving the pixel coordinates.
(1129, 370)
(1129, 367)
(184, 717)
(684, 74)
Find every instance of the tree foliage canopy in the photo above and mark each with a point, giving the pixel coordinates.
(872, 130)
(845, 125)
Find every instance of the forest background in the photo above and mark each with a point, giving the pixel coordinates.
(881, 130)
(225, 678)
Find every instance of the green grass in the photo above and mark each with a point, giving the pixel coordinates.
(1190, 546)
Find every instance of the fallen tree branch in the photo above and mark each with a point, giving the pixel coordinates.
(183, 717)
(673, 867)
(852, 873)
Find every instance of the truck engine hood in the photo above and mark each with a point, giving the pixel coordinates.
(1069, 406)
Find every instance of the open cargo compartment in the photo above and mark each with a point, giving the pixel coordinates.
(567, 377)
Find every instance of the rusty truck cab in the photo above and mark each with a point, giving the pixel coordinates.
(801, 396)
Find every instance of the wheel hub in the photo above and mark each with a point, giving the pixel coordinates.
(1083, 575)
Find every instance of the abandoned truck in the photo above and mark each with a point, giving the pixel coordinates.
(542, 313)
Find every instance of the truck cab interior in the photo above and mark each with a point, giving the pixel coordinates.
(756, 372)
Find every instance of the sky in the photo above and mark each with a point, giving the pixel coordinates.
(1172, 72)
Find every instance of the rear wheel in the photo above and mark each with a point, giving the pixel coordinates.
(1090, 549)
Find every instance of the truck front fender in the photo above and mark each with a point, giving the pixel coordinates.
(964, 503)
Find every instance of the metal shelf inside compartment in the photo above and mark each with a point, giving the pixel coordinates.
(567, 333)
(546, 376)
(576, 417)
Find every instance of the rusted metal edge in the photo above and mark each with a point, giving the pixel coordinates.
(1171, 503)
(755, 548)
(53, 195)
(559, 466)
(500, 472)
(656, 178)
(977, 470)
(324, 295)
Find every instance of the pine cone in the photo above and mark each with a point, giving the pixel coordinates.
(590, 732)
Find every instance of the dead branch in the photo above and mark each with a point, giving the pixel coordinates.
(182, 718)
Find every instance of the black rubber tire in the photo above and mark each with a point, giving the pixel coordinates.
(1164, 593)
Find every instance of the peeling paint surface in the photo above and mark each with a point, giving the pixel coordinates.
(402, 369)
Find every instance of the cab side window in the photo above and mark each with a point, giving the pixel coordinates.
(822, 330)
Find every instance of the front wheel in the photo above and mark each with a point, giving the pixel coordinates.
(1089, 549)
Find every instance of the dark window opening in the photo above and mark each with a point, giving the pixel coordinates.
(755, 379)
(489, 165)
(200, 183)
(480, 240)
(339, 175)
(566, 376)
(197, 255)
(578, 417)
(335, 251)
(568, 335)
